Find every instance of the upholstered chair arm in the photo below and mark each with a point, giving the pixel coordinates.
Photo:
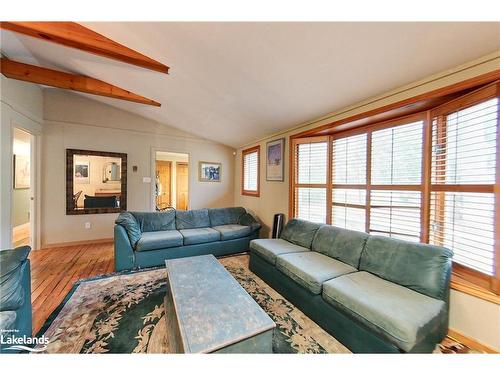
(124, 253)
(249, 220)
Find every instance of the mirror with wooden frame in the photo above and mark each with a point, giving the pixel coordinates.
(96, 182)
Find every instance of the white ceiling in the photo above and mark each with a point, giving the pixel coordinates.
(237, 82)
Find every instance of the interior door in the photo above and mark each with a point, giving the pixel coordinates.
(182, 186)
(164, 187)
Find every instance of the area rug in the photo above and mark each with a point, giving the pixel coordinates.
(124, 313)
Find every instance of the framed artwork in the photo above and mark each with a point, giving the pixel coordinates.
(21, 172)
(209, 172)
(82, 172)
(275, 167)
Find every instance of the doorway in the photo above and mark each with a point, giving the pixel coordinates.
(22, 189)
(172, 180)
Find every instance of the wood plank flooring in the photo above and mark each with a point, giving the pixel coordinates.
(55, 270)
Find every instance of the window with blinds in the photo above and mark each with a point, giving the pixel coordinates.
(349, 182)
(250, 171)
(311, 180)
(464, 152)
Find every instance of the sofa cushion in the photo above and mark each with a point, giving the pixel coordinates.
(401, 315)
(7, 320)
(192, 219)
(232, 231)
(199, 235)
(311, 269)
(159, 240)
(342, 244)
(224, 216)
(300, 232)
(155, 221)
(423, 268)
(11, 272)
(269, 249)
(128, 221)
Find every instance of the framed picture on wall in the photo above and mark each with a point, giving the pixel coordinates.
(21, 172)
(275, 162)
(209, 172)
(82, 172)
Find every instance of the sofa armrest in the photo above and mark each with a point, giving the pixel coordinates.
(124, 253)
(249, 220)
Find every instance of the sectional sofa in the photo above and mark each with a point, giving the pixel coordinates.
(146, 239)
(372, 293)
(15, 295)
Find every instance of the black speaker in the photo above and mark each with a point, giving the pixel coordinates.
(278, 221)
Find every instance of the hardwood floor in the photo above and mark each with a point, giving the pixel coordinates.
(55, 270)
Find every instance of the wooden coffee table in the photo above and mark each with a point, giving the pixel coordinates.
(207, 310)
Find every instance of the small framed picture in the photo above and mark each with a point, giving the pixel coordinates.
(209, 172)
(81, 172)
(275, 167)
(21, 172)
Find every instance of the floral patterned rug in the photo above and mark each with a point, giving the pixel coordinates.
(124, 313)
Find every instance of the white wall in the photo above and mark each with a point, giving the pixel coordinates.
(274, 195)
(73, 121)
(21, 107)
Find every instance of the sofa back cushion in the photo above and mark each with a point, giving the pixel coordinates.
(225, 216)
(12, 295)
(423, 268)
(192, 219)
(300, 232)
(155, 221)
(341, 244)
(129, 222)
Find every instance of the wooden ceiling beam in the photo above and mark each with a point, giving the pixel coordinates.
(62, 80)
(72, 34)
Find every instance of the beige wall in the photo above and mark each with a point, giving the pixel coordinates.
(274, 195)
(21, 107)
(73, 121)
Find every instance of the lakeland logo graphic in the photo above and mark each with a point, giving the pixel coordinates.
(22, 343)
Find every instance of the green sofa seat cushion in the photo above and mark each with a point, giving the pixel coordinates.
(199, 235)
(159, 240)
(269, 249)
(232, 231)
(311, 269)
(399, 314)
(155, 221)
(224, 216)
(342, 244)
(192, 219)
(423, 268)
(300, 232)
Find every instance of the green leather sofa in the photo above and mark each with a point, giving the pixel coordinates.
(146, 239)
(374, 294)
(15, 295)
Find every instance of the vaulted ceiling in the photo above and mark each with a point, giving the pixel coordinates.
(237, 82)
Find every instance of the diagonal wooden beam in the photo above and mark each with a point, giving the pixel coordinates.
(74, 35)
(55, 78)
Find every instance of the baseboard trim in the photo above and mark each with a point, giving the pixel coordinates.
(77, 243)
(470, 342)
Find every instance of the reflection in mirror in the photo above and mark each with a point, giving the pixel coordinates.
(96, 182)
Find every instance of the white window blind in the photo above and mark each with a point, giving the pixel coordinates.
(349, 168)
(463, 157)
(250, 171)
(397, 155)
(311, 177)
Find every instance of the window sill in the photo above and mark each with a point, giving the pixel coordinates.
(464, 286)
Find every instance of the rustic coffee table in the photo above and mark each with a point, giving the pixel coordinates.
(207, 311)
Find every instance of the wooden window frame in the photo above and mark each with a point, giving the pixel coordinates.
(487, 284)
(250, 193)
